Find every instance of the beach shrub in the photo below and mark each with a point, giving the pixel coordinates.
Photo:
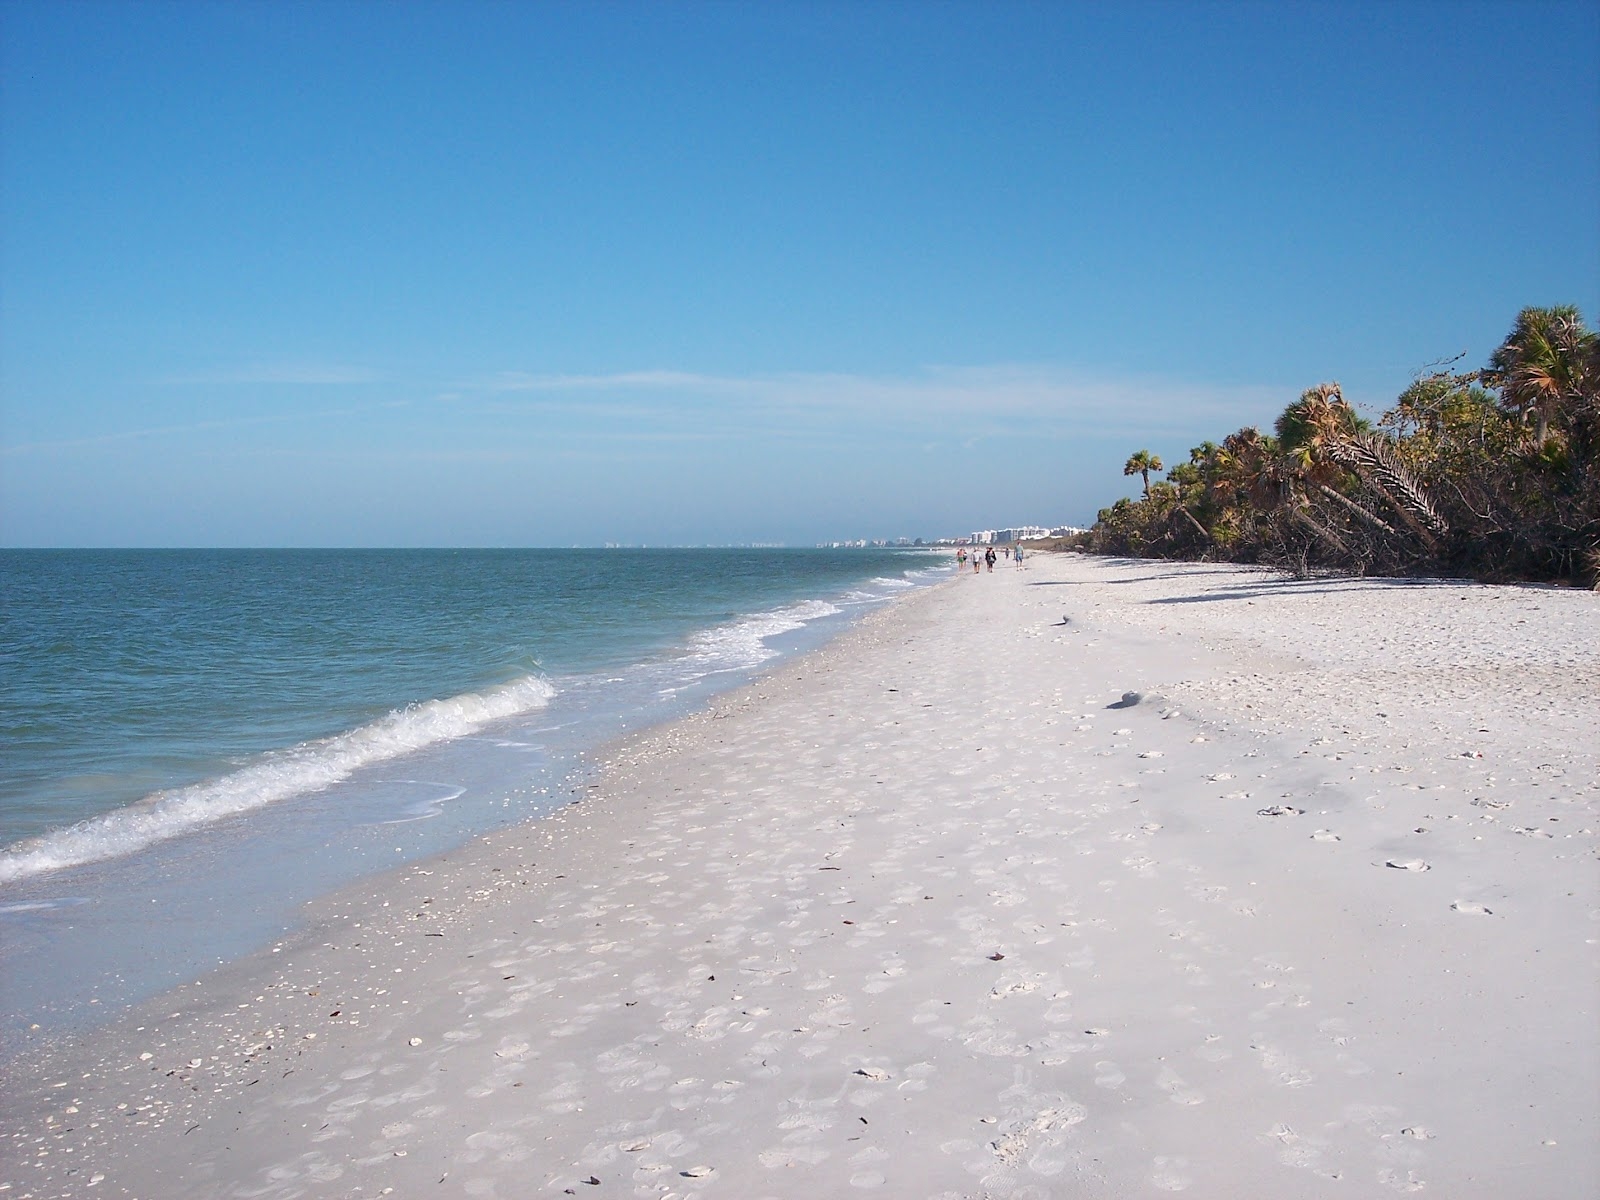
(1489, 474)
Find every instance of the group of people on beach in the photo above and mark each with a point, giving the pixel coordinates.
(988, 557)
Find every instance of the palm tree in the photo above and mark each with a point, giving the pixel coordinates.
(1245, 469)
(1186, 479)
(1319, 415)
(1322, 437)
(1544, 365)
(1141, 463)
(1183, 477)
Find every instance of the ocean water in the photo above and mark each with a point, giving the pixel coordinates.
(194, 744)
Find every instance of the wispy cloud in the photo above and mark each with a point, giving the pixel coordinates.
(522, 381)
(112, 437)
(288, 374)
(1006, 397)
(949, 405)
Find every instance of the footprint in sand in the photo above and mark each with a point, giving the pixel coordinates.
(1011, 985)
(1176, 1089)
(1325, 835)
(792, 1156)
(1337, 1029)
(1296, 1151)
(1108, 1075)
(1170, 1174)
(1283, 1067)
(1391, 1178)
(1472, 908)
(916, 1078)
(1407, 864)
(1034, 1138)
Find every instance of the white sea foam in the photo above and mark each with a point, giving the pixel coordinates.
(884, 586)
(278, 776)
(430, 806)
(29, 906)
(743, 643)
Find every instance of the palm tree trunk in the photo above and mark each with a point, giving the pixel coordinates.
(1365, 514)
(1318, 528)
(1199, 528)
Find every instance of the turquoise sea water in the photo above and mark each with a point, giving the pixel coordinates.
(193, 743)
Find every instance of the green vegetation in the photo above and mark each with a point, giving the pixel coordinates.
(1491, 474)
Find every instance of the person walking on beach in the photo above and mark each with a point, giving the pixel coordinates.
(1016, 552)
(961, 559)
(988, 557)
(977, 561)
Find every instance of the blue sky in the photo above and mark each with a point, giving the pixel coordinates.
(543, 274)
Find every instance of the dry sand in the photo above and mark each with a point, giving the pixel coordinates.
(934, 912)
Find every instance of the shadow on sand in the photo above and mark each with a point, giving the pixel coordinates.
(1271, 583)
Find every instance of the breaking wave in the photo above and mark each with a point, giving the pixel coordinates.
(276, 776)
(743, 643)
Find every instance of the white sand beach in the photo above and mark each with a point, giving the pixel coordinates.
(936, 912)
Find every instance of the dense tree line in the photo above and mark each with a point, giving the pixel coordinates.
(1491, 474)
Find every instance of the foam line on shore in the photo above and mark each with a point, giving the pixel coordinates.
(273, 778)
